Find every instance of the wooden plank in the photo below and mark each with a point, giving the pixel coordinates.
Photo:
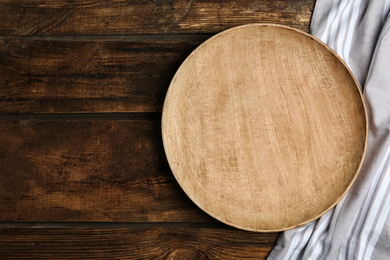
(142, 243)
(49, 17)
(86, 170)
(41, 76)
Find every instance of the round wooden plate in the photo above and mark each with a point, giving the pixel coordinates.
(264, 127)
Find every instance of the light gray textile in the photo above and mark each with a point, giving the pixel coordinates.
(359, 226)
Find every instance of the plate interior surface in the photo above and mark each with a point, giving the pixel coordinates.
(264, 127)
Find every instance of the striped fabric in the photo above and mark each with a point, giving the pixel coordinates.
(359, 226)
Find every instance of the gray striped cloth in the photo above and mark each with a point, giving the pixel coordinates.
(359, 226)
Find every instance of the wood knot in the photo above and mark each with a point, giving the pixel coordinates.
(186, 253)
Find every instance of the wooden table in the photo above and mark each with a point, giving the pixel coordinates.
(82, 168)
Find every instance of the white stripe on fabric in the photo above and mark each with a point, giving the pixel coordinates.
(384, 30)
(353, 238)
(294, 243)
(315, 237)
(343, 248)
(354, 18)
(332, 15)
(335, 26)
(373, 213)
(316, 241)
(345, 27)
(339, 20)
(342, 29)
(295, 246)
(385, 10)
(332, 228)
(324, 247)
(306, 237)
(378, 229)
(318, 249)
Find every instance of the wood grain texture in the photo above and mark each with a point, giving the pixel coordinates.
(264, 127)
(55, 76)
(52, 17)
(152, 243)
(65, 170)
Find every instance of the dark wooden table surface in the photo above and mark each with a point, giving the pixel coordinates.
(82, 168)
